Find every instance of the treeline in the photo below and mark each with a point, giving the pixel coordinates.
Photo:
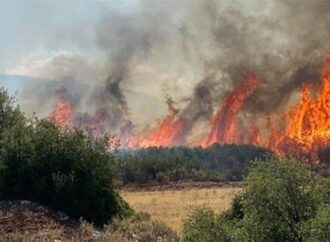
(162, 165)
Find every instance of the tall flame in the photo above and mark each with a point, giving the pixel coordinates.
(165, 134)
(301, 133)
(309, 127)
(224, 127)
(63, 113)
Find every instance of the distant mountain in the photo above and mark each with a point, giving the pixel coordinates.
(14, 83)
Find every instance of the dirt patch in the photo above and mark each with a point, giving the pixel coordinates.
(32, 218)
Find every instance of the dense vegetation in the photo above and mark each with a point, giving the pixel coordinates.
(69, 170)
(283, 200)
(64, 169)
(162, 165)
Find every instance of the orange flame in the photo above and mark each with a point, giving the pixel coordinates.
(309, 127)
(165, 135)
(224, 128)
(301, 133)
(63, 113)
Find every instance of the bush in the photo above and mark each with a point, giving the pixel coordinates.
(64, 169)
(318, 228)
(139, 228)
(282, 200)
(203, 225)
(280, 195)
(9, 113)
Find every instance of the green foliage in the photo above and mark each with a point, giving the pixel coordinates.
(318, 228)
(63, 169)
(9, 113)
(203, 225)
(282, 200)
(162, 165)
(280, 195)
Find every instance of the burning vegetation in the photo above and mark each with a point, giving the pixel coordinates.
(306, 130)
(63, 112)
(234, 70)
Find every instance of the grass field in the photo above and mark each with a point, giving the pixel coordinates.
(171, 206)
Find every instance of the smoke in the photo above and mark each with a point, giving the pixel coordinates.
(281, 48)
(201, 49)
(122, 38)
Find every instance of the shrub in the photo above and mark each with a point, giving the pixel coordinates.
(280, 195)
(64, 169)
(203, 225)
(9, 113)
(139, 228)
(282, 200)
(318, 228)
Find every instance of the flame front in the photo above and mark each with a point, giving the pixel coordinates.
(166, 134)
(306, 128)
(311, 121)
(309, 127)
(224, 129)
(63, 113)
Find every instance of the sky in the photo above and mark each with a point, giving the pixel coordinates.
(39, 27)
(119, 49)
(55, 40)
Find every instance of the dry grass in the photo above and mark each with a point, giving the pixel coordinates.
(171, 206)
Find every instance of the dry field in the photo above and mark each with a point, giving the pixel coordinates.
(171, 206)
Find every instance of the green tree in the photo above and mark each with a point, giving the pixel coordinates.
(280, 195)
(64, 169)
(10, 113)
(282, 200)
(317, 229)
(203, 225)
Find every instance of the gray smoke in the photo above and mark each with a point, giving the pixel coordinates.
(285, 47)
(215, 43)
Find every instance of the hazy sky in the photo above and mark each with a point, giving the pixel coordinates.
(148, 46)
(38, 27)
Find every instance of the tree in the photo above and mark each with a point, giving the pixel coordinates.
(64, 169)
(203, 225)
(282, 200)
(9, 113)
(318, 228)
(280, 196)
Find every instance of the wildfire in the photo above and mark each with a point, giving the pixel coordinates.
(224, 129)
(63, 113)
(300, 133)
(166, 134)
(309, 127)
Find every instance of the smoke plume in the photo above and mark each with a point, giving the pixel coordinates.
(201, 49)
